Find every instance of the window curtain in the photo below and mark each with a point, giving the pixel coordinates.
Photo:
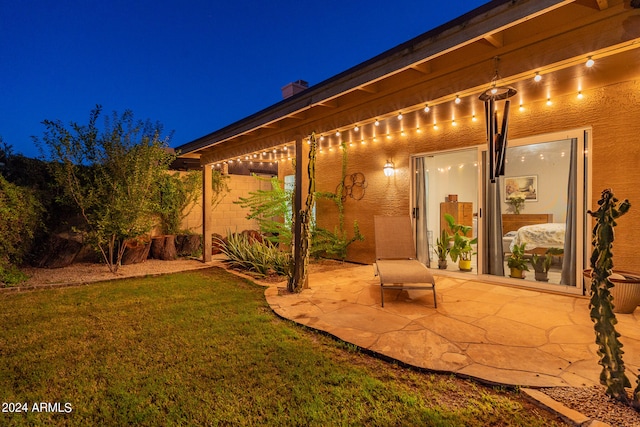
(420, 212)
(568, 275)
(492, 244)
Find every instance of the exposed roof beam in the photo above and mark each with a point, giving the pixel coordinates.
(329, 103)
(424, 67)
(372, 88)
(495, 39)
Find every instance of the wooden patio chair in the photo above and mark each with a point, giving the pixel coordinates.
(396, 262)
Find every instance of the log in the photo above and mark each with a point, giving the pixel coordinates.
(136, 251)
(164, 247)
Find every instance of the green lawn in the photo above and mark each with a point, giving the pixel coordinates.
(204, 348)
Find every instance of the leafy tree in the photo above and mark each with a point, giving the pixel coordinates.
(175, 193)
(110, 175)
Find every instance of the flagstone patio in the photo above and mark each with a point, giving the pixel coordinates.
(494, 333)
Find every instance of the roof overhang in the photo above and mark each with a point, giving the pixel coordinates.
(455, 59)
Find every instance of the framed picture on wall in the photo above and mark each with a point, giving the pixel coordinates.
(525, 187)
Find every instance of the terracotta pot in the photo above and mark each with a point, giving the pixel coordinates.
(625, 290)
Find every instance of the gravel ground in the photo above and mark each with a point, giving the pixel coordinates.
(590, 401)
(595, 404)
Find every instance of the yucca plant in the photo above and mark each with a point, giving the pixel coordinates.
(260, 257)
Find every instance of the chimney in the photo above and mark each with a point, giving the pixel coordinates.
(293, 88)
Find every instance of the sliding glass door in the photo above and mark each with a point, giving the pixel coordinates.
(534, 216)
(446, 184)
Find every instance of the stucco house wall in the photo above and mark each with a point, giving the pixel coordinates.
(615, 156)
(227, 216)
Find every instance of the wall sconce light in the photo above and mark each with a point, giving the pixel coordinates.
(389, 170)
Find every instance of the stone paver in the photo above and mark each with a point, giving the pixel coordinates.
(494, 333)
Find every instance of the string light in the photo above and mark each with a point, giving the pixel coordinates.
(427, 109)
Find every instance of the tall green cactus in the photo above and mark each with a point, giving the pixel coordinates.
(298, 279)
(601, 305)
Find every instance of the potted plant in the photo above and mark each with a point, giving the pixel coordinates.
(461, 249)
(517, 262)
(442, 249)
(542, 264)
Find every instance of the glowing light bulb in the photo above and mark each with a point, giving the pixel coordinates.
(337, 133)
(473, 118)
(580, 96)
(537, 77)
(356, 129)
(426, 108)
(377, 122)
(589, 62)
(435, 126)
(549, 101)
(402, 133)
(521, 107)
(453, 122)
(399, 116)
(418, 130)
(458, 100)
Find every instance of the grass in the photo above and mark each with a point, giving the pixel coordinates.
(204, 348)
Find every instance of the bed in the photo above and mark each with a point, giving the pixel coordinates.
(539, 236)
(511, 223)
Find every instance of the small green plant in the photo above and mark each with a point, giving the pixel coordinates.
(542, 264)
(442, 245)
(516, 260)
(442, 248)
(257, 255)
(461, 242)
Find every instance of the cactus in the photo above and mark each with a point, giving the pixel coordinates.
(609, 347)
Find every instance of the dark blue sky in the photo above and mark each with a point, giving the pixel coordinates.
(193, 65)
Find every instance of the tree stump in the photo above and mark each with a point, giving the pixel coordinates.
(62, 250)
(164, 247)
(136, 251)
(216, 244)
(188, 244)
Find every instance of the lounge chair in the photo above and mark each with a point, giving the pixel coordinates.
(396, 262)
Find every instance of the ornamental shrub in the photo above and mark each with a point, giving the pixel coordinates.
(20, 216)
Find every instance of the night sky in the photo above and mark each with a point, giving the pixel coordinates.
(195, 66)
